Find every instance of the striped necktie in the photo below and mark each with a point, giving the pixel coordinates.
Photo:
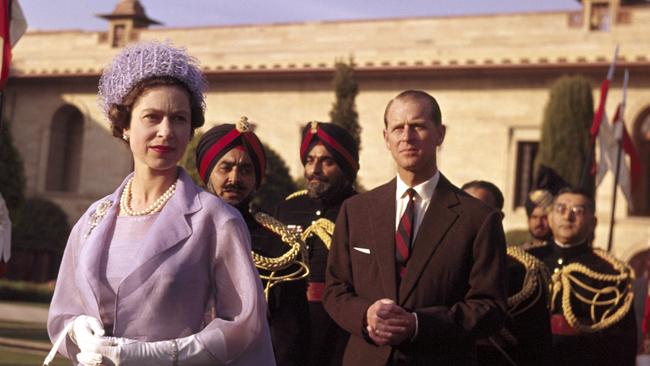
(404, 233)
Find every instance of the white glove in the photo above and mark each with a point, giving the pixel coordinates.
(87, 332)
(188, 351)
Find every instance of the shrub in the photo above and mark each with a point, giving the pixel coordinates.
(12, 174)
(26, 291)
(40, 225)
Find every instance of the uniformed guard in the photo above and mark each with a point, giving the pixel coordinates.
(331, 160)
(538, 204)
(591, 291)
(231, 162)
(526, 337)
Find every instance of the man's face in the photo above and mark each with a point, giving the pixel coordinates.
(411, 136)
(233, 177)
(323, 174)
(538, 224)
(571, 220)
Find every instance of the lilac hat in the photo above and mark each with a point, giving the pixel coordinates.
(144, 60)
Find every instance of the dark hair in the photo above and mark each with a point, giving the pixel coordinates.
(120, 114)
(436, 115)
(490, 187)
(591, 204)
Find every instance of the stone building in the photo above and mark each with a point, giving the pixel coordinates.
(490, 73)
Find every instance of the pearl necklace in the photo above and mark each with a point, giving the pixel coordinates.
(125, 201)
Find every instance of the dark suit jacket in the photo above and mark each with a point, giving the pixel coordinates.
(455, 279)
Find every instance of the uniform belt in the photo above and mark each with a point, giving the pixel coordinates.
(560, 326)
(315, 291)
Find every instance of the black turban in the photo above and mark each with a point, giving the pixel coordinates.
(336, 140)
(218, 140)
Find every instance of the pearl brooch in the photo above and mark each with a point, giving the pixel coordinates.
(156, 206)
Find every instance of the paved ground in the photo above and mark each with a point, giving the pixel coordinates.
(23, 312)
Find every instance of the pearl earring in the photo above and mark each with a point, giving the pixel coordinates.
(125, 137)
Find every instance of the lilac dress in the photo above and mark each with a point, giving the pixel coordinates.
(194, 256)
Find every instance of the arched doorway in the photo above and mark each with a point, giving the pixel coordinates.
(641, 136)
(64, 157)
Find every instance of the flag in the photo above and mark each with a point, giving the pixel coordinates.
(611, 138)
(12, 26)
(600, 117)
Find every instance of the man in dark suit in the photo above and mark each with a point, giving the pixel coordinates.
(416, 268)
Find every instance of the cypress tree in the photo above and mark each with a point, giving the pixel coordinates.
(344, 112)
(12, 172)
(564, 145)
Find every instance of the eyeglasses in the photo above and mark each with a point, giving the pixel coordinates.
(561, 208)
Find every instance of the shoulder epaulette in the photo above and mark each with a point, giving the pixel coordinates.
(296, 194)
(535, 282)
(294, 256)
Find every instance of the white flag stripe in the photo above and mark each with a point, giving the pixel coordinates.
(18, 23)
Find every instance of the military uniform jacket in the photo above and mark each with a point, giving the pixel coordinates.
(288, 312)
(528, 321)
(615, 345)
(301, 211)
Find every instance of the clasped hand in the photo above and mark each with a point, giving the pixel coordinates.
(96, 349)
(389, 324)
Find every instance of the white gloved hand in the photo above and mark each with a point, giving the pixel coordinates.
(87, 332)
(188, 351)
(108, 345)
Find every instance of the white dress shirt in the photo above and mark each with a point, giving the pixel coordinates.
(423, 194)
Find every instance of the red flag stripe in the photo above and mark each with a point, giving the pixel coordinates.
(598, 117)
(5, 19)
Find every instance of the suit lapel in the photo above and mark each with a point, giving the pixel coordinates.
(382, 224)
(436, 222)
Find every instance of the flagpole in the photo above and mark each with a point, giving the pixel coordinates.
(618, 136)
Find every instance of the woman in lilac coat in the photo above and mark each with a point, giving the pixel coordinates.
(158, 272)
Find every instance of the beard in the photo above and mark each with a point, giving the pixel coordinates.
(540, 233)
(323, 188)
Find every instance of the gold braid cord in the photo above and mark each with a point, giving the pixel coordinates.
(614, 297)
(323, 228)
(295, 255)
(296, 194)
(535, 282)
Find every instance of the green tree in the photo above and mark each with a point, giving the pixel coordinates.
(344, 112)
(41, 225)
(12, 173)
(564, 145)
(188, 161)
(277, 183)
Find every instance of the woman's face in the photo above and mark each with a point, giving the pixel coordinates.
(160, 128)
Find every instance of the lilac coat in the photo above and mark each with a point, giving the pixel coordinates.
(197, 253)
